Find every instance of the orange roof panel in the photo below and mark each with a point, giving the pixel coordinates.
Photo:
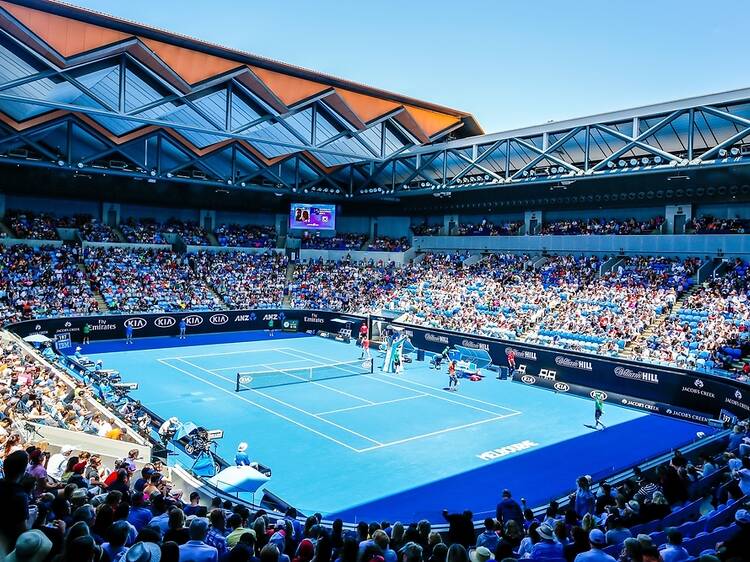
(289, 89)
(365, 107)
(431, 122)
(191, 66)
(67, 36)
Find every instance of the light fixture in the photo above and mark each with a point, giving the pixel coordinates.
(610, 164)
(657, 159)
(734, 151)
(242, 184)
(722, 152)
(644, 161)
(169, 174)
(153, 173)
(622, 163)
(633, 161)
(60, 163)
(80, 164)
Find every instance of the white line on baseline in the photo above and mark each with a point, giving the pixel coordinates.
(271, 349)
(269, 410)
(320, 384)
(372, 405)
(438, 432)
(437, 396)
(292, 406)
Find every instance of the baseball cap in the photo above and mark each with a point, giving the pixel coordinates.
(597, 538)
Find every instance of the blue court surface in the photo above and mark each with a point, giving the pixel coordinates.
(380, 446)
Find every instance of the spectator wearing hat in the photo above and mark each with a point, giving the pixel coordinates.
(480, 554)
(598, 541)
(31, 546)
(674, 551)
(196, 549)
(508, 509)
(546, 547)
(738, 545)
(143, 552)
(241, 458)
(56, 463)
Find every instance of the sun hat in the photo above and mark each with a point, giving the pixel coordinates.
(143, 552)
(480, 554)
(545, 531)
(31, 546)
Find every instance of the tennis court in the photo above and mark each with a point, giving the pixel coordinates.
(367, 445)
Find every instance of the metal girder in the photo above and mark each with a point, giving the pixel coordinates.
(637, 140)
(547, 153)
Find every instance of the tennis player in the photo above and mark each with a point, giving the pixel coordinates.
(598, 411)
(452, 376)
(397, 360)
(270, 328)
(365, 349)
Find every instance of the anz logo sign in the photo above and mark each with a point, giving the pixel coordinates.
(267, 317)
(136, 322)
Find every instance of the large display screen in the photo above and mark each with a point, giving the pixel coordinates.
(315, 217)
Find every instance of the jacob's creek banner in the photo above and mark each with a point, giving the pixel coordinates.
(113, 326)
(683, 394)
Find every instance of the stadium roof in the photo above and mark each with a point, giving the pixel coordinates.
(129, 79)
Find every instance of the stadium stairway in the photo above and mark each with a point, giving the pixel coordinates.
(648, 332)
(212, 239)
(101, 304)
(287, 302)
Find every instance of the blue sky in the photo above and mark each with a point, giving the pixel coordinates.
(510, 63)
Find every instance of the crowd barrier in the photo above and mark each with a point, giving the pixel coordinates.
(674, 392)
(654, 388)
(712, 245)
(112, 326)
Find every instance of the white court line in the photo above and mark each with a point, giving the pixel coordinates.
(438, 396)
(287, 362)
(270, 349)
(269, 410)
(371, 405)
(321, 384)
(433, 433)
(288, 405)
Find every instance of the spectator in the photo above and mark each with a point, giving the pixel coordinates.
(508, 509)
(598, 542)
(196, 549)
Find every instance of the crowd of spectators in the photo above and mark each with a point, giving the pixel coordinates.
(141, 280)
(95, 231)
(345, 285)
(73, 507)
(34, 226)
(388, 244)
(44, 281)
(712, 328)
(489, 228)
(342, 241)
(244, 280)
(142, 231)
(190, 232)
(602, 226)
(246, 236)
(707, 224)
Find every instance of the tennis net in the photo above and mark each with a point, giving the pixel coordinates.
(267, 378)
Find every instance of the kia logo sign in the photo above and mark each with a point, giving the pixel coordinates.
(136, 323)
(165, 322)
(561, 387)
(598, 394)
(528, 379)
(698, 383)
(218, 319)
(193, 320)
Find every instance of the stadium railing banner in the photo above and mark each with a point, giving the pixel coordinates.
(112, 326)
(654, 388)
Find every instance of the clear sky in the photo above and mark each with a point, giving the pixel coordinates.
(510, 63)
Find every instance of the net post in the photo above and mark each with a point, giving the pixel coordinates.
(237, 383)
